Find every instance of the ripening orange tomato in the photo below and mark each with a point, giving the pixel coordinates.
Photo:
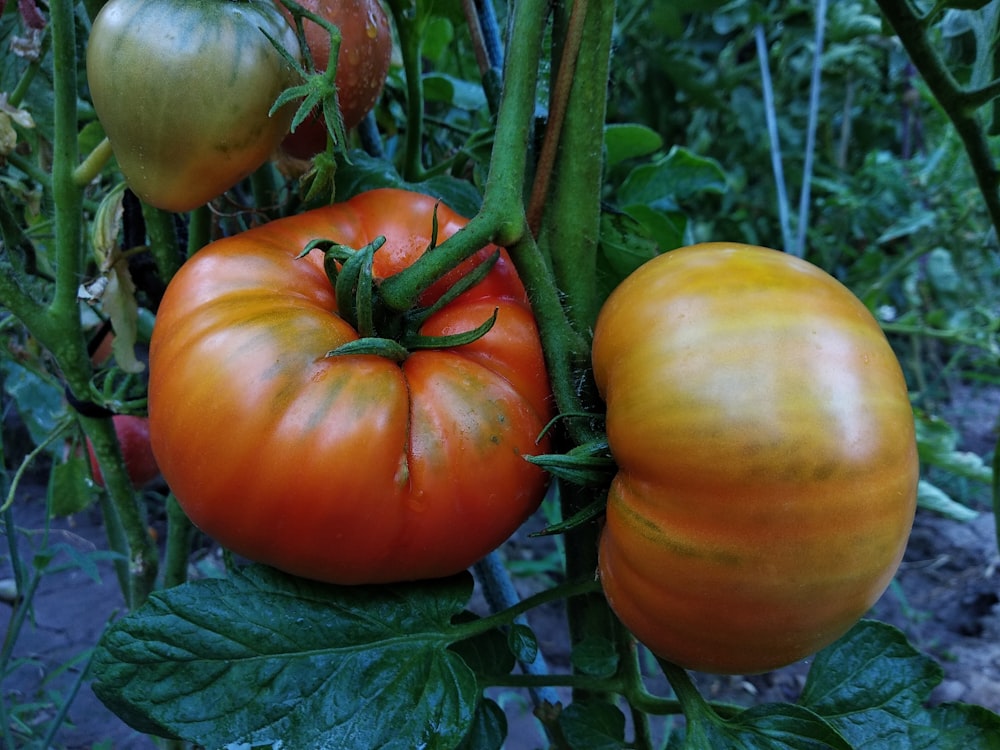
(767, 459)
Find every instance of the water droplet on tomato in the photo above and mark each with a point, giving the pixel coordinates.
(371, 27)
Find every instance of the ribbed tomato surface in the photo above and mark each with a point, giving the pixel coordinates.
(348, 469)
(768, 467)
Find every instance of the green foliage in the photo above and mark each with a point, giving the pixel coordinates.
(256, 656)
(261, 657)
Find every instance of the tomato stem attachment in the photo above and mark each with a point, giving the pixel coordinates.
(477, 274)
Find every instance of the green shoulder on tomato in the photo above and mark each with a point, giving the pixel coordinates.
(183, 89)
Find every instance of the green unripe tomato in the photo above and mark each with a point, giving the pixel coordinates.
(183, 89)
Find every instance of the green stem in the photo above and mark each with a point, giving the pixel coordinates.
(63, 334)
(199, 230)
(409, 28)
(62, 329)
(180, 532)
(501, 219)
(17, 95)
(956, 103)
(570, 226)
(163, 243)
(31, 169)
(126, 524)
(91, 167)
(506, 617)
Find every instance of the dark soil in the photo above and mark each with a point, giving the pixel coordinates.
(945, 599)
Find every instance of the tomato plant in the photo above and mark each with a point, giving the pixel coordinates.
(133, 438)
(364, 414)
(348, 468)
(183, 89)
(767, 462)
(362, 66)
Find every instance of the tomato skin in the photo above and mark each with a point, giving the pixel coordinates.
(362, 66)
(348, 469)
(767, 459)
(133, 439)
(183, 89)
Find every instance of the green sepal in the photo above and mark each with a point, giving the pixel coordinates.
(449, 341)
(372, 345)
(582, 516)
(589, 464)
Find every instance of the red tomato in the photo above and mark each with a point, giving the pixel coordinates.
(133, 438)
(766, 451)
(362, 65)
(348, 469)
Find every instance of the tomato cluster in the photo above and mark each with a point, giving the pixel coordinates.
(758, 417)
(766, 452)
(183, 88)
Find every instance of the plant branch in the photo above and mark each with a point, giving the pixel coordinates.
(408, 27)
(569, 231)
(501, 218)
(507, 616)
(911, 32)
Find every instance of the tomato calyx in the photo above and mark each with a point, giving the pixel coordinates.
(318, 88)
(587, 465)
(383, 331)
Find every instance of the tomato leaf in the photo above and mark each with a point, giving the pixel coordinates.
(872, 685)
(489, 728)
(593, 725)
(628, 141)
(677, 176)
(263, 656)
(770, 726)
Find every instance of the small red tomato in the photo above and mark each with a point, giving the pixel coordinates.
(362, 66)
(133, 437)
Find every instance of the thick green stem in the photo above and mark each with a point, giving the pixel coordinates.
(501, 219)
(60, 329)
(125, 517)
(568, 236)
(570, 227)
